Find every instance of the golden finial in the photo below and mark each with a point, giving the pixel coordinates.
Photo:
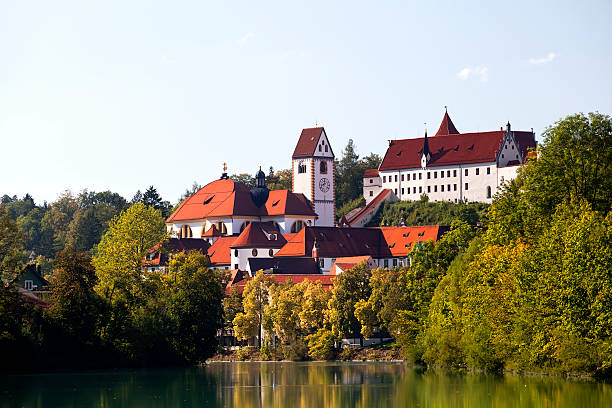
(224, 167)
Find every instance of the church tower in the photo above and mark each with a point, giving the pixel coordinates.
(314, 174)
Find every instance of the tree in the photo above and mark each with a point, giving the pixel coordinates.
(314, 306)
(152, 199)
(119, 255)
(74, 304)
(232, 305)
(195, 308)
(279, 180)
(244, 178)
(256, 297)
(11, 248)
(349, 288)
(574, 160)
(349, 177)
(191, 191)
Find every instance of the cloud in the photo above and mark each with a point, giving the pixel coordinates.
(467, 72)
(245, 39)
(549, 57)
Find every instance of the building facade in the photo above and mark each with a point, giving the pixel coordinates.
(450, 166)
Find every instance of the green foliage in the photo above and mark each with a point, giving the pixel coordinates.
(11, 248)
(75, 306)
(321, 345)
(255, 302)
(244, 178)
(349, 174)
(119, 256)
(194, 305)
(428, 213)
(232, 305)
(279, 180)
(349, 288)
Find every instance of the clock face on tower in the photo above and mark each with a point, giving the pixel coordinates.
(324, 185)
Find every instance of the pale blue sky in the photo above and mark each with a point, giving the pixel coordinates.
(120, 95)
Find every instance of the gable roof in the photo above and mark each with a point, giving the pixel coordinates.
(370, 173)
(226, 197)
(379, 242)
(213, 231)
(259, 235)
(219, 253)
(446, 150)
(447, 127)
(294, 266)
(308, 141)
(525, 141)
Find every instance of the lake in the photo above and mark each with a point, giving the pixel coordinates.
(294, 385)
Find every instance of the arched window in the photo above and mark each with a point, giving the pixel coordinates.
(254, 252)
(301, 167)
(244, 225)
(185, 232)
(323, 167)
(222, 228)
(297, 226)
(488, 191)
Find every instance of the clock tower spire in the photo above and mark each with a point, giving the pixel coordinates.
(313, 174)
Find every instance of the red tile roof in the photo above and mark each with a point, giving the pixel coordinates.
(226, 197)
(349, 262)
(219, 253)
(213, 231)
(526, 141)
(333, 242)
(174, 245)
(260, 235)
(445, 150)
(353, 217)
(380, 242)
(307, 143)
(399, 240)
(370, 173)
(447, 127)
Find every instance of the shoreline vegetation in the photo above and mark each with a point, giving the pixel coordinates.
(525, 287)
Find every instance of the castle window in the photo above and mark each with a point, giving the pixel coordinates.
(454, 187)
(428, 175)
(235, 266)
(435, 174)
(402, 191)
(414, 176)
(454, 173)
(488, 170)
(371, 181)
(413, 190)
(435, 189)
(396, 178)
(323, 167)
(448, 187)
(297, 226)
(420, 176)
(488, 191)
(320, 148)
(420, 190)
(244, 225)
(448, 173)
(502, 156)
(466, 186)
(371, 193)
(384, 179)
(429, 189)
(512, 147)
(386, 263)
(466, 172)
(185, 232)
(235, 252)
(326, 148)
(442, 188)
(442, 174)
(402, 177)
(477, 171)
(301, 167)
(254, 252)
(222, 228)
(271, 252)
(395, 191)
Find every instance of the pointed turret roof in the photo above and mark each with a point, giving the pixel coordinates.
(426, 146)
(447, 127)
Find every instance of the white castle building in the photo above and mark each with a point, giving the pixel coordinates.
(449, 166)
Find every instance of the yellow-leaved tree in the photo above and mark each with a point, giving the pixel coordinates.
(119, 256)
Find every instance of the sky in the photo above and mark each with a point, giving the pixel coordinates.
(121, 95)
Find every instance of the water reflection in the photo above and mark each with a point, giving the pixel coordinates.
(297, 385)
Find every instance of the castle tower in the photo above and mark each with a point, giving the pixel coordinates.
(313, 174)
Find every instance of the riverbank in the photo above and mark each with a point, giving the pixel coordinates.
(388, 353)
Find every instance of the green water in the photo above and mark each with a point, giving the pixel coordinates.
(297, 385)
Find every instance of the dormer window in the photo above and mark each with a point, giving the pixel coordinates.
(208, 200)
